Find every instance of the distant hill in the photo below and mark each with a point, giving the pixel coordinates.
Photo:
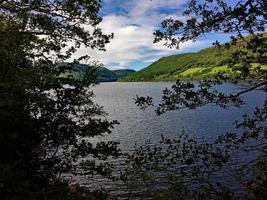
(103, 74)
(204, 64)
(123, 72)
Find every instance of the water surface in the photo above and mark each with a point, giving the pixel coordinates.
(138, 126)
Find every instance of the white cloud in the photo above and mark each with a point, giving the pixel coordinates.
(150, 61)
(133, 39)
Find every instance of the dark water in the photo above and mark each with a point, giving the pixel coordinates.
(137, 126)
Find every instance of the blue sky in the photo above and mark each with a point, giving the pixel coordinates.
(133, 23)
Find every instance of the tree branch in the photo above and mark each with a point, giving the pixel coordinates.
(249, 89)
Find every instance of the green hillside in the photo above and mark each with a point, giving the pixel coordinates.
(123, 72)
(204, 64)
(105, 75)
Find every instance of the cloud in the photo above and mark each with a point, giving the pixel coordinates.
(133, 32)
(150, 61)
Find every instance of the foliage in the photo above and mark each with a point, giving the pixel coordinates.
(47, 120)
(59, 23)
(247, 16)
(185, 168)
(196, 167)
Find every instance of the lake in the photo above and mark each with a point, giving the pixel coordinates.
(138, 126)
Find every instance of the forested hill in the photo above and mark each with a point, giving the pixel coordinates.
(204, 64)
(122, 72)
(103, 74)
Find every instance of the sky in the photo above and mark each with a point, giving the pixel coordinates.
(133, 23)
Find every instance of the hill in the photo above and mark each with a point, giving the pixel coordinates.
(204, 64)
(123, 72)
(103, 74)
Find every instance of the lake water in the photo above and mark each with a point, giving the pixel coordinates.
(138, 126)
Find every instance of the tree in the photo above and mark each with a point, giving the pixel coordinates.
(47, 120)
(193, 166)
